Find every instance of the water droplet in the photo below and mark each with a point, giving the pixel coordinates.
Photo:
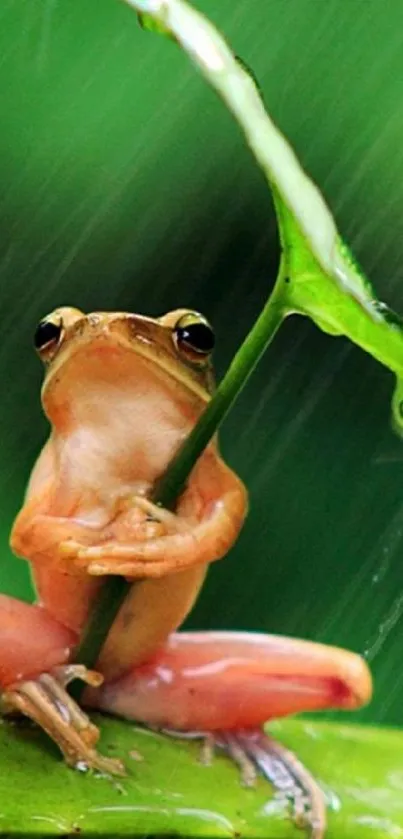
(81, 766)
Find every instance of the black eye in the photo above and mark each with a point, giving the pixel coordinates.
(47, 333)
(195, 334)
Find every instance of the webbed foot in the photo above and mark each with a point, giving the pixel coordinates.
(46, 701)
(289, 777)
(254, 752)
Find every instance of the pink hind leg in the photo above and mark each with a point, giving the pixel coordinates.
(226, 685)
(226, 680)
(31, 641)
(34, 653)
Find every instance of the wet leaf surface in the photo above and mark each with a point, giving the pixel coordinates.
(168, 792)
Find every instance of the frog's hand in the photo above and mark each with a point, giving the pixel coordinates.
(226, 680)
(37, 534)
(208, 522)
(34, 672)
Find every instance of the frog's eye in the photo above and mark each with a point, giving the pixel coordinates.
(47, 337)
(194, 336)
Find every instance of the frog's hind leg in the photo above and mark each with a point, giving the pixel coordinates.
(211, 681)
(34, 673)
(229, 684)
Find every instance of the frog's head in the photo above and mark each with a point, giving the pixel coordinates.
(91, 359)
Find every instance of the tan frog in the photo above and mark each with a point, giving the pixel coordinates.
(121, 393)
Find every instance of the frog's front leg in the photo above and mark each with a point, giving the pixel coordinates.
(228, 685)
(207, 523)
(149, 554)
(37, 534)
(34, 672)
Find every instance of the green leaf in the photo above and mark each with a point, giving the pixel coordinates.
(352, 310)
(168, 792)
(323, 279)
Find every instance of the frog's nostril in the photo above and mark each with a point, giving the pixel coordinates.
(94, 319)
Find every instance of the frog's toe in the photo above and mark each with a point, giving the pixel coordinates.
(46, 701)
(69, 549)
(247, 766)
(290, 779)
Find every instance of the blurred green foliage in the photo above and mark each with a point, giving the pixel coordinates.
(126, 185)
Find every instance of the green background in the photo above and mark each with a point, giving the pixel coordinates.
(124, 184)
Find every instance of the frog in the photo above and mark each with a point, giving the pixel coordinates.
(121, 392)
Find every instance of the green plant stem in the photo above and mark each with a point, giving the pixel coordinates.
(171, 484)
